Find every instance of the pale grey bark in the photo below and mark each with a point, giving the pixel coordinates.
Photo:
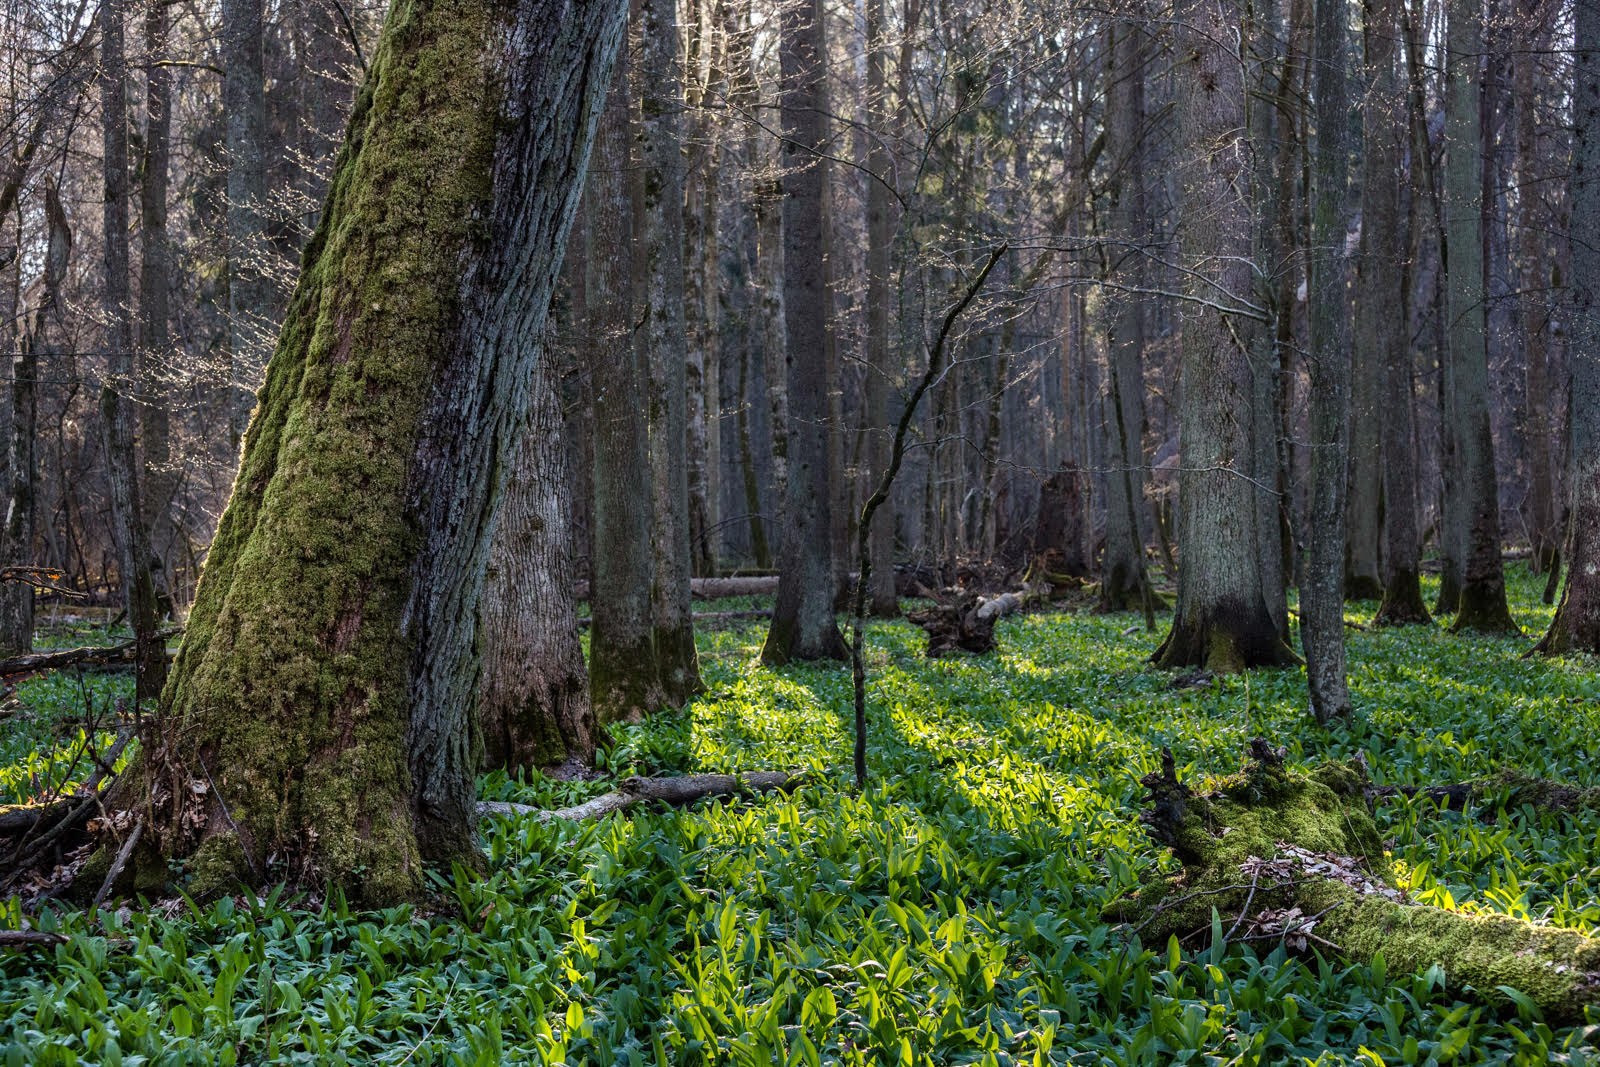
(1322, 590)
(660, 237)
(249, 288)
(881, 598)
(155, 284)
(803, 625)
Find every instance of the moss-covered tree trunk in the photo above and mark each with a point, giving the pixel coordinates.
(624, 680)
(320, 711)
(1221, 620)
(1576, 627)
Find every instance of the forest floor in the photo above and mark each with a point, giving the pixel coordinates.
(952, 913)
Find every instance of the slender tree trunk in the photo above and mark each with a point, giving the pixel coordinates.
(155, 269)
(624, 677)
(1576, 626)
(881, 598)
(133, 545)
(323, 690)
(1322, 592)
(1221, 620)
(1483, 591)
(1384, 310)
(533, 696)
(660, 232)
(245, 114)
(803, 624)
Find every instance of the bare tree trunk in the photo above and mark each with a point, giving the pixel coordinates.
(155, 283)
(1483, 590)
(660, 233)
(244, 110)
(133, 545)
(803, 624)
(1576, 626)
(1221, 621)
(324, 687)
(1384, 308)
(881, 598)
(533, 696)
(624, 678)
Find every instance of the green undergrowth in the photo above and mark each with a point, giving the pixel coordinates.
(951, 913)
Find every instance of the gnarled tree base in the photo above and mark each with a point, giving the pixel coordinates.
(1295, 858)
(1483, 609)
(1402, 602)
(1225, 640)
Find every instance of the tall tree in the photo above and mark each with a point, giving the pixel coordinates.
(1383, 288)
(881, 598)
(803, 625)
(116, 416)
(244, 108)
(155, 285)
(660, 234)
(1483, 590)
(1322, 590)
(1576, 626)
(624, 680)
(323, 690)
(1221, 620)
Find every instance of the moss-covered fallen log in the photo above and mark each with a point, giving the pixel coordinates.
(674, 791)
(1296, 858)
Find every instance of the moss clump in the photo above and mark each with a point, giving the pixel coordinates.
(218, 866)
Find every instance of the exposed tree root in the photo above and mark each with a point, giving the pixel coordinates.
(1296, 858)
(675, 791)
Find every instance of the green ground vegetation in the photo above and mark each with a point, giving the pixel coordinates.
(958, 911)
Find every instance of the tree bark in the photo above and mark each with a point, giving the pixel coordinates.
(1383, 308)
(1483, 591)
(1322, 590)
(624, 679)
(116, 420)
(803, 625)
(1221, 621)
(660, 232)
(155, 283)
(320, 709)
(881, 598)
(1576, 626)
(245, 114)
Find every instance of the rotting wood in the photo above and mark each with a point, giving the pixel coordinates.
(674, 791)
(29, 939)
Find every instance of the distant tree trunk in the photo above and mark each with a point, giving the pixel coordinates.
(1383, 309)
(155, 283)
(133, 543)
(699, 230)
(660, 233)
(1543, 524)
(1483, 590)
(881, 598)
(1322, 592)
(1374, 322)
(1221, 620)
(803, 624)
(769, 272)
(1576, 626)
(244, 107)
(1122, 569)
(324, 690)
(533, 697)
(624, 679)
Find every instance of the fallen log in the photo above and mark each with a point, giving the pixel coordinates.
(29, 938)
(1513, 787)
(67, 657)
(954, 623)
(1296, 859)
(674, 791)
(1001, 606)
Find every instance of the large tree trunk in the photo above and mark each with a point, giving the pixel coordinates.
(116, 420)
(624, 682)
(1221, 620)
(881, 598)
(244, 107)
(1477, 514)
(1576, 627)
(321, 708)
(803, 626)
(1384, 311)
(1322, 591)
(533, 698)
(1122, 568)
(660, 225)
(155, 269)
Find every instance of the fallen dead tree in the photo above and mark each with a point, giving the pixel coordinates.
(963, 620)
(98, 655)
(1296, 859)
(674, 791)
